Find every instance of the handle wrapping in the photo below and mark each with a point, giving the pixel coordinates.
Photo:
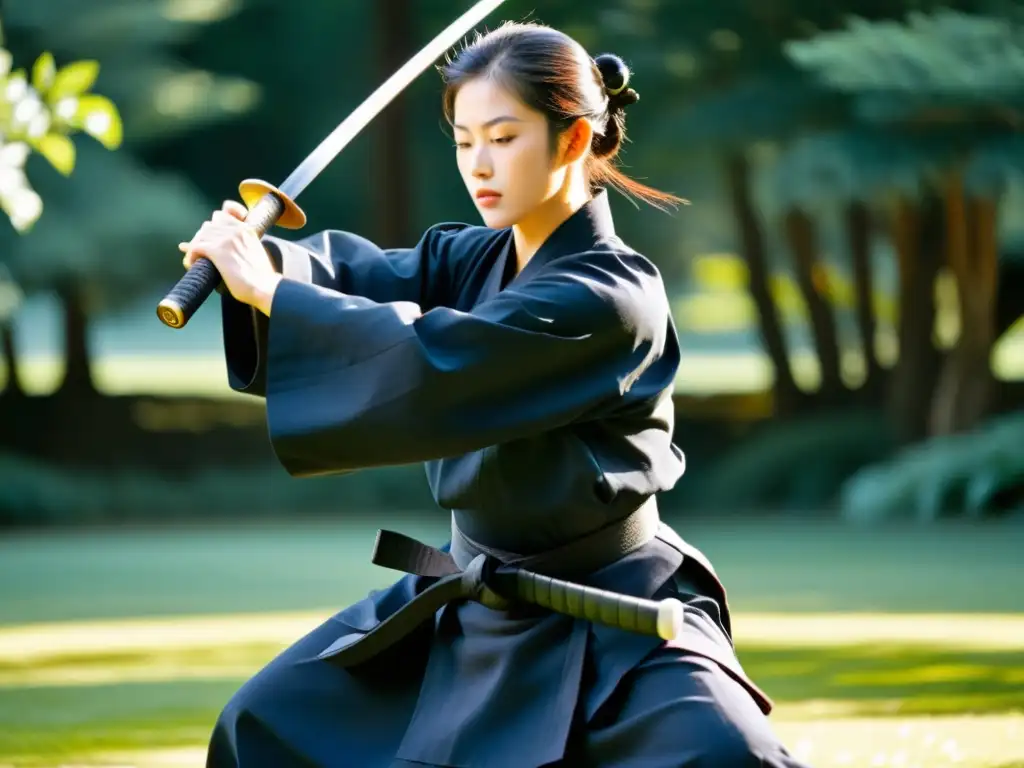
(202, 278)
(662, 618)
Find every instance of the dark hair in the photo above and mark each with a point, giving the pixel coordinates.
(553, 74)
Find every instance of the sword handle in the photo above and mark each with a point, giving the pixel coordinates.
(267, 206)
(661, 618)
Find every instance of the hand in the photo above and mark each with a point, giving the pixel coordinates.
(238, 254)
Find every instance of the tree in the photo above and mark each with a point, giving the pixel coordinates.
(111, 230)
(936, 102)
(41, 116)
(735, 92)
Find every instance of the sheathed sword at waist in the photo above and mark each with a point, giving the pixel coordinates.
(496, 585)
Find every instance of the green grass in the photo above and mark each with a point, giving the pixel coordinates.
(897, 646)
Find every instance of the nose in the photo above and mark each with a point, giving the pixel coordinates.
(482, 168)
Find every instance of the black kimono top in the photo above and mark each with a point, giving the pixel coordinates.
(540, 405)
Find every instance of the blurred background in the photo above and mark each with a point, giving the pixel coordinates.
(847, 285)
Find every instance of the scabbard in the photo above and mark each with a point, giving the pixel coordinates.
(488, 581)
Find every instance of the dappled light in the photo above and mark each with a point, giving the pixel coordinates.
(813, 372)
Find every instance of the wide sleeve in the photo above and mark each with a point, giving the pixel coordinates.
(353, 383)
(344, 262)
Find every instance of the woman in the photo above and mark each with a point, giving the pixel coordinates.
(529, 363)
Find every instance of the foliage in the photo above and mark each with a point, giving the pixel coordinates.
(112, 228)
(946, 61)
(768, 105)
(159, 93)
(974, 474)
(112, 243)
(33, 492)
(925, 95)
(834, 167)
(41, 112)
(797, 464)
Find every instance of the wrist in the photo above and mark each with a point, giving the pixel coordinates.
(263, 292)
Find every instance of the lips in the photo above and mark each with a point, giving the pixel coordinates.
(487, 197)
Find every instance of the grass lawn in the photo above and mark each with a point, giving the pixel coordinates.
(896, 646)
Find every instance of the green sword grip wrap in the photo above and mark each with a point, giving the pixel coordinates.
(202, 278)
(662, 618)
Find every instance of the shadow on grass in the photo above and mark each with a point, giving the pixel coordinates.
(892, 679)
(44, 725)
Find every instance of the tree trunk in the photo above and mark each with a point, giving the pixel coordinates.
(917, 237)
(15, 387)
(858, 234)
(1009, 296)
(812, 281)
(78, 370)
(966, 388)
(787, 394)
(392, 183)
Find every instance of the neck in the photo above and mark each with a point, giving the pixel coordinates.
(533, 229)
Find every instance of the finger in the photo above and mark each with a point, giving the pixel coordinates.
(196, 251)
(234, 209)
(227, 217)
(190, 258)
(221, 229)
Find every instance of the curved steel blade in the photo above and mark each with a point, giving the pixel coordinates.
(347, 130)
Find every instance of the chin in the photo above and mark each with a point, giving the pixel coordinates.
(496, 219)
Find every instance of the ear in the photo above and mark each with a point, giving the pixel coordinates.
(575, 141)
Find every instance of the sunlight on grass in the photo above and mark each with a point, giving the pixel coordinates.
(230, 661)
(935, 742)
(964, 631)
(55, 726)
(38, 642)
(859, 679)
(851, 691)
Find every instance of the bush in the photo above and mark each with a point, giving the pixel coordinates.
(974, 474)
(798, 464)
(36, 493)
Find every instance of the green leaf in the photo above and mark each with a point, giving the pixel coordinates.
(43, 72)
(97, 116)
(74, 79)
(59, 150)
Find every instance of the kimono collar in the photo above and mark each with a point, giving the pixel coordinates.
(580, 232)
(587, 226)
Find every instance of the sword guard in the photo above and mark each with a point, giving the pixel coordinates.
(252, 190)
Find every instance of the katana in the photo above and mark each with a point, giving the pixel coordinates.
(269, 205)
(497, 586)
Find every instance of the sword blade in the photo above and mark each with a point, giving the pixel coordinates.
(350, 127)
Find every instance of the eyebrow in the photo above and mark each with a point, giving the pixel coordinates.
(492, 121)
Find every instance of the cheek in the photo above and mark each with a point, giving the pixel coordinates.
(528, 169)
(462, 160)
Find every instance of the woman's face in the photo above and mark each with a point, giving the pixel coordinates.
(503, 147)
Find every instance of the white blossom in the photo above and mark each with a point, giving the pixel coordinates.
(17, 198)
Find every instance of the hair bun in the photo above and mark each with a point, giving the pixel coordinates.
(615, 76)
